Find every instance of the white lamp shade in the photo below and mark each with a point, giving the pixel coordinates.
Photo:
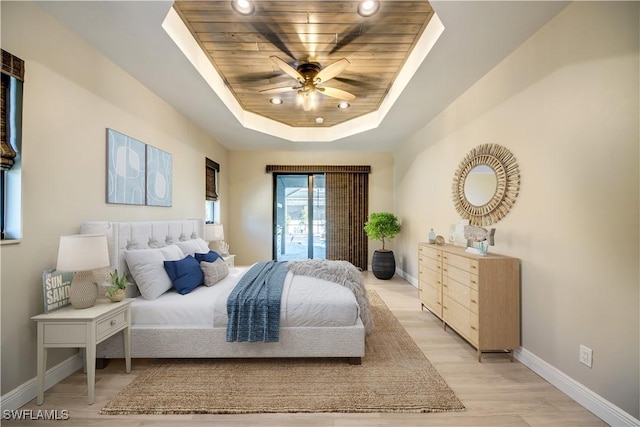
(83, 252)
(213, 232)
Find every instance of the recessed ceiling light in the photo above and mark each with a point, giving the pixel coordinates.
(243, 7)
(319, 120)
(344, 105)
(368, 8)
(276, 101)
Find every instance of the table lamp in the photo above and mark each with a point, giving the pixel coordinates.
(81, 254)
(215, 233)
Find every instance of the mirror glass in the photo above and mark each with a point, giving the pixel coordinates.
(486, 184)
(480, 185)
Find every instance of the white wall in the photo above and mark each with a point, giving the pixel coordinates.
(71, 95)
(566, 104)
(252, 193)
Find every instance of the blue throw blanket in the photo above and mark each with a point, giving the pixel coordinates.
(253, 306)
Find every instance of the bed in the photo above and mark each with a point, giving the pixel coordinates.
(172, 325)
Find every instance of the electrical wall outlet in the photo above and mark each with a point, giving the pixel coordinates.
(586, 356)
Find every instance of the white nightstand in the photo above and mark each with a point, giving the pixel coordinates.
(229, 260)
(84, 328)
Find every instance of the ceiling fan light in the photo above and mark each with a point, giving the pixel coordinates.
(368, 8)
(243, 7)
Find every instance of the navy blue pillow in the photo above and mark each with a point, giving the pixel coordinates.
(186, 274)
(211, 256)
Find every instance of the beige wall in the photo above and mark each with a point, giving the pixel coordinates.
(566, 104)
(251, 189)
(71, 95)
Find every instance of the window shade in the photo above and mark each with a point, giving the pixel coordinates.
(12, 67)
(211, 170)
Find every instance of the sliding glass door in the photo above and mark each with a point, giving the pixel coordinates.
(299, 217)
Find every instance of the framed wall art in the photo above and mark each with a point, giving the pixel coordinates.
(159, 177)
(125, 169)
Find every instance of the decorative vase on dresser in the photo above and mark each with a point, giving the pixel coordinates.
(477, 296)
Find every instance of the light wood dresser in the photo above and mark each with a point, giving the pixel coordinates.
(477, 296)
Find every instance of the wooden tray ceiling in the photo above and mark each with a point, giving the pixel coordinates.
(306, 31)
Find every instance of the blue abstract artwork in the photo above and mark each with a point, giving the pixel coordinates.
(159, 177)
(125, 169)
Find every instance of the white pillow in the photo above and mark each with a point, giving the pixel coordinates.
(147, 268)
(214, 271)
(190, 247)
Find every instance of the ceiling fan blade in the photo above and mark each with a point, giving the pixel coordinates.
(332, 70)
(337, 93)
(270, 32)
(287, 68)
(279, 89)
(356, 83)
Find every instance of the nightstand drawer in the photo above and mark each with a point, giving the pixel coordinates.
(67, 334)
(111, 323)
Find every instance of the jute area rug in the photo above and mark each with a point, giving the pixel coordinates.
(395, 376)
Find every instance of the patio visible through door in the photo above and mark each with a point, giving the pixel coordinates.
(300, 217)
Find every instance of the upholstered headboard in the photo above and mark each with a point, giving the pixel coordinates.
(123, 236)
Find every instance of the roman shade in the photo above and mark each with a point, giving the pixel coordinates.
(212, 169)
(12, 67)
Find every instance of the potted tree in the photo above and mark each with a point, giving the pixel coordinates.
(381, 226)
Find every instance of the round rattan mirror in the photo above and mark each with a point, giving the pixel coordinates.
(486, 184)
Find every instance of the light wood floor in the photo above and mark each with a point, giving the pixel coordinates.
(495, 392)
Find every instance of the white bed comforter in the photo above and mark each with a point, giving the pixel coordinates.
(306, 301)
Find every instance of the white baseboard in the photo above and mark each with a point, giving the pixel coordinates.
(605, 410)
(26, 392)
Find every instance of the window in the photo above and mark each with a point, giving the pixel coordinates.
(10, 143)
(212, 206)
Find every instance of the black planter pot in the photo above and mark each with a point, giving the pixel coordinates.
(383, 264)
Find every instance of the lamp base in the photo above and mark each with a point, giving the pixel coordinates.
(84, 290)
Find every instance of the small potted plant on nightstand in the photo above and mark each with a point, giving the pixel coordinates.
(117, 289)
(381, 226)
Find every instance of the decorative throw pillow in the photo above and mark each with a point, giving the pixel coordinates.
(190, 247)
(185, 274)
(214, 271)
(147, 269)
(210, 256)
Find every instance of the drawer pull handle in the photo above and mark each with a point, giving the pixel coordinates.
(474, 301)
(113, 322)
(445, 286)
(473, 327)
(473, 266)
(473, 281)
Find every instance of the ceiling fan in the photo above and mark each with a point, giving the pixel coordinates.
(310, 77)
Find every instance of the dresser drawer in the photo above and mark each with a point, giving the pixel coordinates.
(431, 252)
(463, 263)
(462, 276)
(458, 292)
(473, 301)
(429, 276)
(457, 316)
(431, 263)
(432, 298)
(106, 326)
